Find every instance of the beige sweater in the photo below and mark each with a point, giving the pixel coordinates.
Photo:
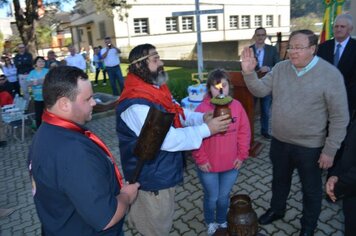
(307, 108)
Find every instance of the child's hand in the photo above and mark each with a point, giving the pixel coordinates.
(205, 167)
(238, 164)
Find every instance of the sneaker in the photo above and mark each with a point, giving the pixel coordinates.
(95, 84)
(212, 227)
(223, 225)
(104, 84)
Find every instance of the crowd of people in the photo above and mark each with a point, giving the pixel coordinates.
(23, 75)
(309, 99)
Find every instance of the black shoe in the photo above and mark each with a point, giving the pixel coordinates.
(269, 217)
(3, 143)
(305, 232)
(267, 136)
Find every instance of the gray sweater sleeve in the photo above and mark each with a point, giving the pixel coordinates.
(259, 87)
(336, 101)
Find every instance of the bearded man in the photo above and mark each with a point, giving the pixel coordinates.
(145, 87)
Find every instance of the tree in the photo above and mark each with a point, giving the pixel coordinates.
(43, 36)
(2, 42)
(27, 20)
(300, 8)
(121, 7)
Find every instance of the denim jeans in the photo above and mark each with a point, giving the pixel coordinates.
(217, 187)
(285, 158)
(266, 103)
(115, 74)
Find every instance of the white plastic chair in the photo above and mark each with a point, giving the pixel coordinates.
(15, 116)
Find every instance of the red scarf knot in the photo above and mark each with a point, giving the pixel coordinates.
(135, 87)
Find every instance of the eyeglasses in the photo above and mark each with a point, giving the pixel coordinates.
(260, 35)
(297, 49)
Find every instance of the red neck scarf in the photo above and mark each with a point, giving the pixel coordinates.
(52, 119)
(135, 87)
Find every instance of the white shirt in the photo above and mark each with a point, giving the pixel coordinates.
(77, 60)
(10, 72)
(343, 45)
(177, 139)
(112, 58)
(260, 54)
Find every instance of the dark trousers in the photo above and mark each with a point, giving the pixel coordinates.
(115, 75)
(15, 88)
(349, 209)
(266, 103)
(97, 71)
(39, 105)
(285, 158)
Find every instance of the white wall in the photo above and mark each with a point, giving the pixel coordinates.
(157, 11)
(353, 13)
(5, 26)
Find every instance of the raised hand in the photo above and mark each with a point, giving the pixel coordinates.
(248, 61)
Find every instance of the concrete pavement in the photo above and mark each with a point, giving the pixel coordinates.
(254, 180)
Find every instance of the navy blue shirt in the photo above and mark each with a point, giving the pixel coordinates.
(23, 63)
(75, 182)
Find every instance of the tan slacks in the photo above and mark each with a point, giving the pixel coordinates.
(151, 214)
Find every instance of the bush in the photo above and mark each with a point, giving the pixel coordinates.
(179, 80)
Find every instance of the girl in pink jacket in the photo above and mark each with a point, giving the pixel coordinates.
(221, 155)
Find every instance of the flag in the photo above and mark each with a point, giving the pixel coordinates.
(332, 9)
(338, 7)
(326, 32)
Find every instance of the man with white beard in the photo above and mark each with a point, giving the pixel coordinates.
(145, 87)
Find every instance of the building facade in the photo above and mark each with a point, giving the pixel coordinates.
(152, 21)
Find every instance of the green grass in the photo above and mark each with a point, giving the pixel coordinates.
(179, 80)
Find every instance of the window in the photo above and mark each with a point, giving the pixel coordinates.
(258, 21)
(187, 23)
(234, 22)
(171, 24)
(269, 20)
(245, 21)
(102, 29)
(141, 26)
(212, 22)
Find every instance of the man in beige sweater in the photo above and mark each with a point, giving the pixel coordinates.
(309, 119)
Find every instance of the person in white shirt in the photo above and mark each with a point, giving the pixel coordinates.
(75, 59)
(110, 54)
(145, 86)
(10, 71)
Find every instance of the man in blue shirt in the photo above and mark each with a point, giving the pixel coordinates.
(77, 187)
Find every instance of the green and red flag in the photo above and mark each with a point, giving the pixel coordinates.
(327, 32)
(332, 9)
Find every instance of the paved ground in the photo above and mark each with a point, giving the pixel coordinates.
(254, 180)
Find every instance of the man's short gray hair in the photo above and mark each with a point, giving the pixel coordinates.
(346, 17)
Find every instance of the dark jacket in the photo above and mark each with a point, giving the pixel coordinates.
(347, 66)
(346, 167)
(163, 172)
(271, 56)
(23, 63)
